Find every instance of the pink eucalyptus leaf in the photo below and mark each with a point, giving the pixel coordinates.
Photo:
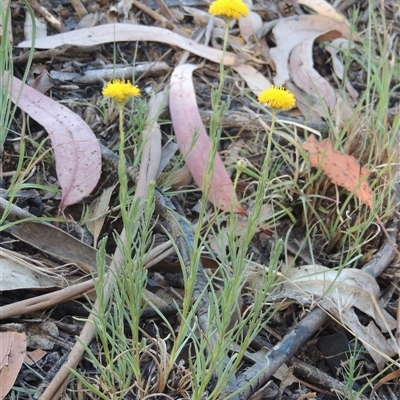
(111, 33)
(194, 142)
(76, 149)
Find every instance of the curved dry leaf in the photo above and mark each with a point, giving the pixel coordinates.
(176, 179)
(76, 149)
(337, 64)
(323, 97)
(323, 8)
(349, 288)
(42, 82)
(34, 356)
(151, 153)
(255, 80)
(194, 142)
(126, 32)
(250, 25)
(290, 33)
(15, 274)
(372, 338)
(307, 78)
(308, 104)
(97, 212)
(57, 243)
(341, 169)
(339, 293)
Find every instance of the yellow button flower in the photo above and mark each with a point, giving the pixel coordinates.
(229, 9)
(277, 98)
(120, 91)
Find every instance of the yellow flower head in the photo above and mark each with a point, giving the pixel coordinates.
(229, 9)
(277, 98)
(120, 91)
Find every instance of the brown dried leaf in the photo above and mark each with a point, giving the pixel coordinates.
(323, 8)
(43, 82)
(291, 32)
(32, 357)
(307, 78)
(250, 25)
(57, 243)
(16, 274)
(337, 63)
(339, 293)
(342, 169)
(378, 347)
(97, 212)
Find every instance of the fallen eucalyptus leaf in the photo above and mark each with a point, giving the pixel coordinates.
(76, 149)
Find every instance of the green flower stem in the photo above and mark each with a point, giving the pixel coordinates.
(122, 177)
(267, 159)
(221, 64)
(265, 175)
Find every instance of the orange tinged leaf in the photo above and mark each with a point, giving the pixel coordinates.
(12, 354)
(342, 169)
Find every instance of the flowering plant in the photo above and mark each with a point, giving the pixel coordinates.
(120, 91)
(229, 9)
(277, 98)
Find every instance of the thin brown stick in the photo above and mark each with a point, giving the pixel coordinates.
(79, 8)
(60, 381)
(50, 18)
(47, 300)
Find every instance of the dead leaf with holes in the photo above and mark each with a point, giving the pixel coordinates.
(342, 169)
(340, 293)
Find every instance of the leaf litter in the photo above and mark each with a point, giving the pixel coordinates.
(78, 155)
(294, 40)
(342, 169)
(194, 142)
